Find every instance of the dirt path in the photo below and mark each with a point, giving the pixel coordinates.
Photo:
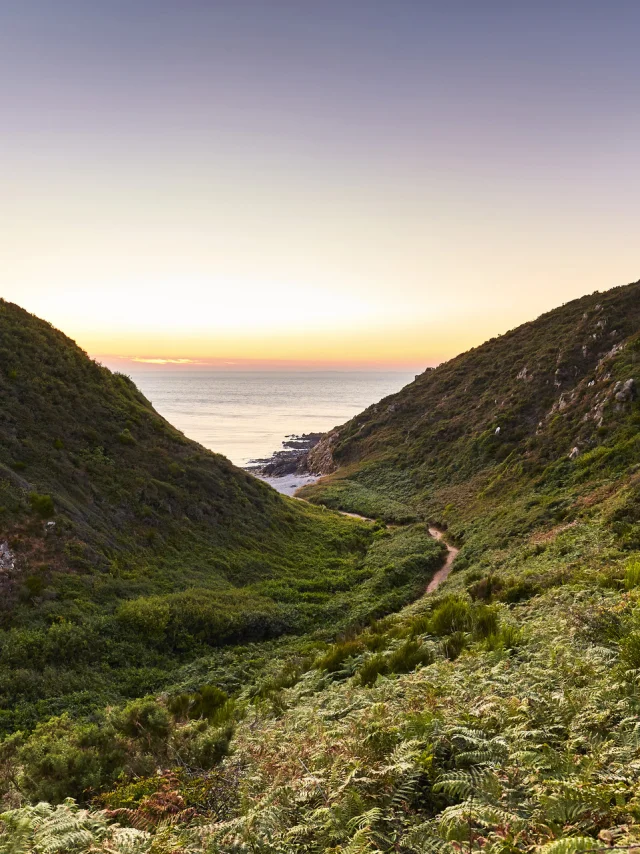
(436, 533)
(445, 569)
(354, 515)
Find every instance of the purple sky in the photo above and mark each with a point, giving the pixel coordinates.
(476, 160)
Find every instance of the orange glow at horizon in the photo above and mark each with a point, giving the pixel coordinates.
(404, 348)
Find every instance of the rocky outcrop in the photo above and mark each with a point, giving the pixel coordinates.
(7, 558)
(291, 460)
(320, 458)
(625, 392)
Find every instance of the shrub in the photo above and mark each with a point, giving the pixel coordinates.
(371, 669)
(42, 504)
(485, 621)
(485, 588)
(201, 746)
(409, 656)
(125, 437)
(63, 759)
(147, 615)
(506, 637)
(519, 591)
(453, 645)
(339, 653)
(404, 659)
(630, 651)
(451, 615)
(145, 719)
(632, 575)
(375, 642)
(201, 704)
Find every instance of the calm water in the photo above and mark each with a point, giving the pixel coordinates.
(247, 415)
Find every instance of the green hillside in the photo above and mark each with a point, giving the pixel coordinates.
(539, 416)
(498, 714)
(128, 551)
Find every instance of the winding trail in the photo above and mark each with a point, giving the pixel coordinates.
(441, 574)
(445, 569)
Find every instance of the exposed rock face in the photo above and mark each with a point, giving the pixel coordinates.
(291, 460)
(320, 458)
(7, 558)
(625, 392)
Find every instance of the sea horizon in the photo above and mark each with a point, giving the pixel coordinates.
(246, 415)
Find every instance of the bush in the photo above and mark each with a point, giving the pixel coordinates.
(371, 669)
(453, 645)
(145, 719)
(485, 588)
(63, 759)
(630, 651)
(42, 504)
(506, 637)
(519, 591)
(452, 615)
(485, 621)
(201, 704)
(409, 656)
(148, 616)
(339, 653)
(125, 437)
(201, 746)
(632, 575)
(404, 659)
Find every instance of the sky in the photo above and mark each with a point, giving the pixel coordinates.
(251, 183)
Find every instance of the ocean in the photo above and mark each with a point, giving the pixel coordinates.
(246, 416)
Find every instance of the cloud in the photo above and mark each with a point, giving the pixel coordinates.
(166, 361)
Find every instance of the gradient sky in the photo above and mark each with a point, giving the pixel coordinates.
(325, 183)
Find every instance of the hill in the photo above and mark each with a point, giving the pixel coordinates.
(128, 550)
(547, 411)
(497, 715)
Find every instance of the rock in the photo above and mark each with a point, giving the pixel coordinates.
(7, 558)
(625, 392)
(320, 458)
(291, 460)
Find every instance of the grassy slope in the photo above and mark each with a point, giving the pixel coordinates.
(546, 387)
(159, 550)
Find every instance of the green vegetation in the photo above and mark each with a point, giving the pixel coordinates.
(498, 714)
(344, 493)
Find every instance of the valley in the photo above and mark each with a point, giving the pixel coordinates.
(448, 663)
